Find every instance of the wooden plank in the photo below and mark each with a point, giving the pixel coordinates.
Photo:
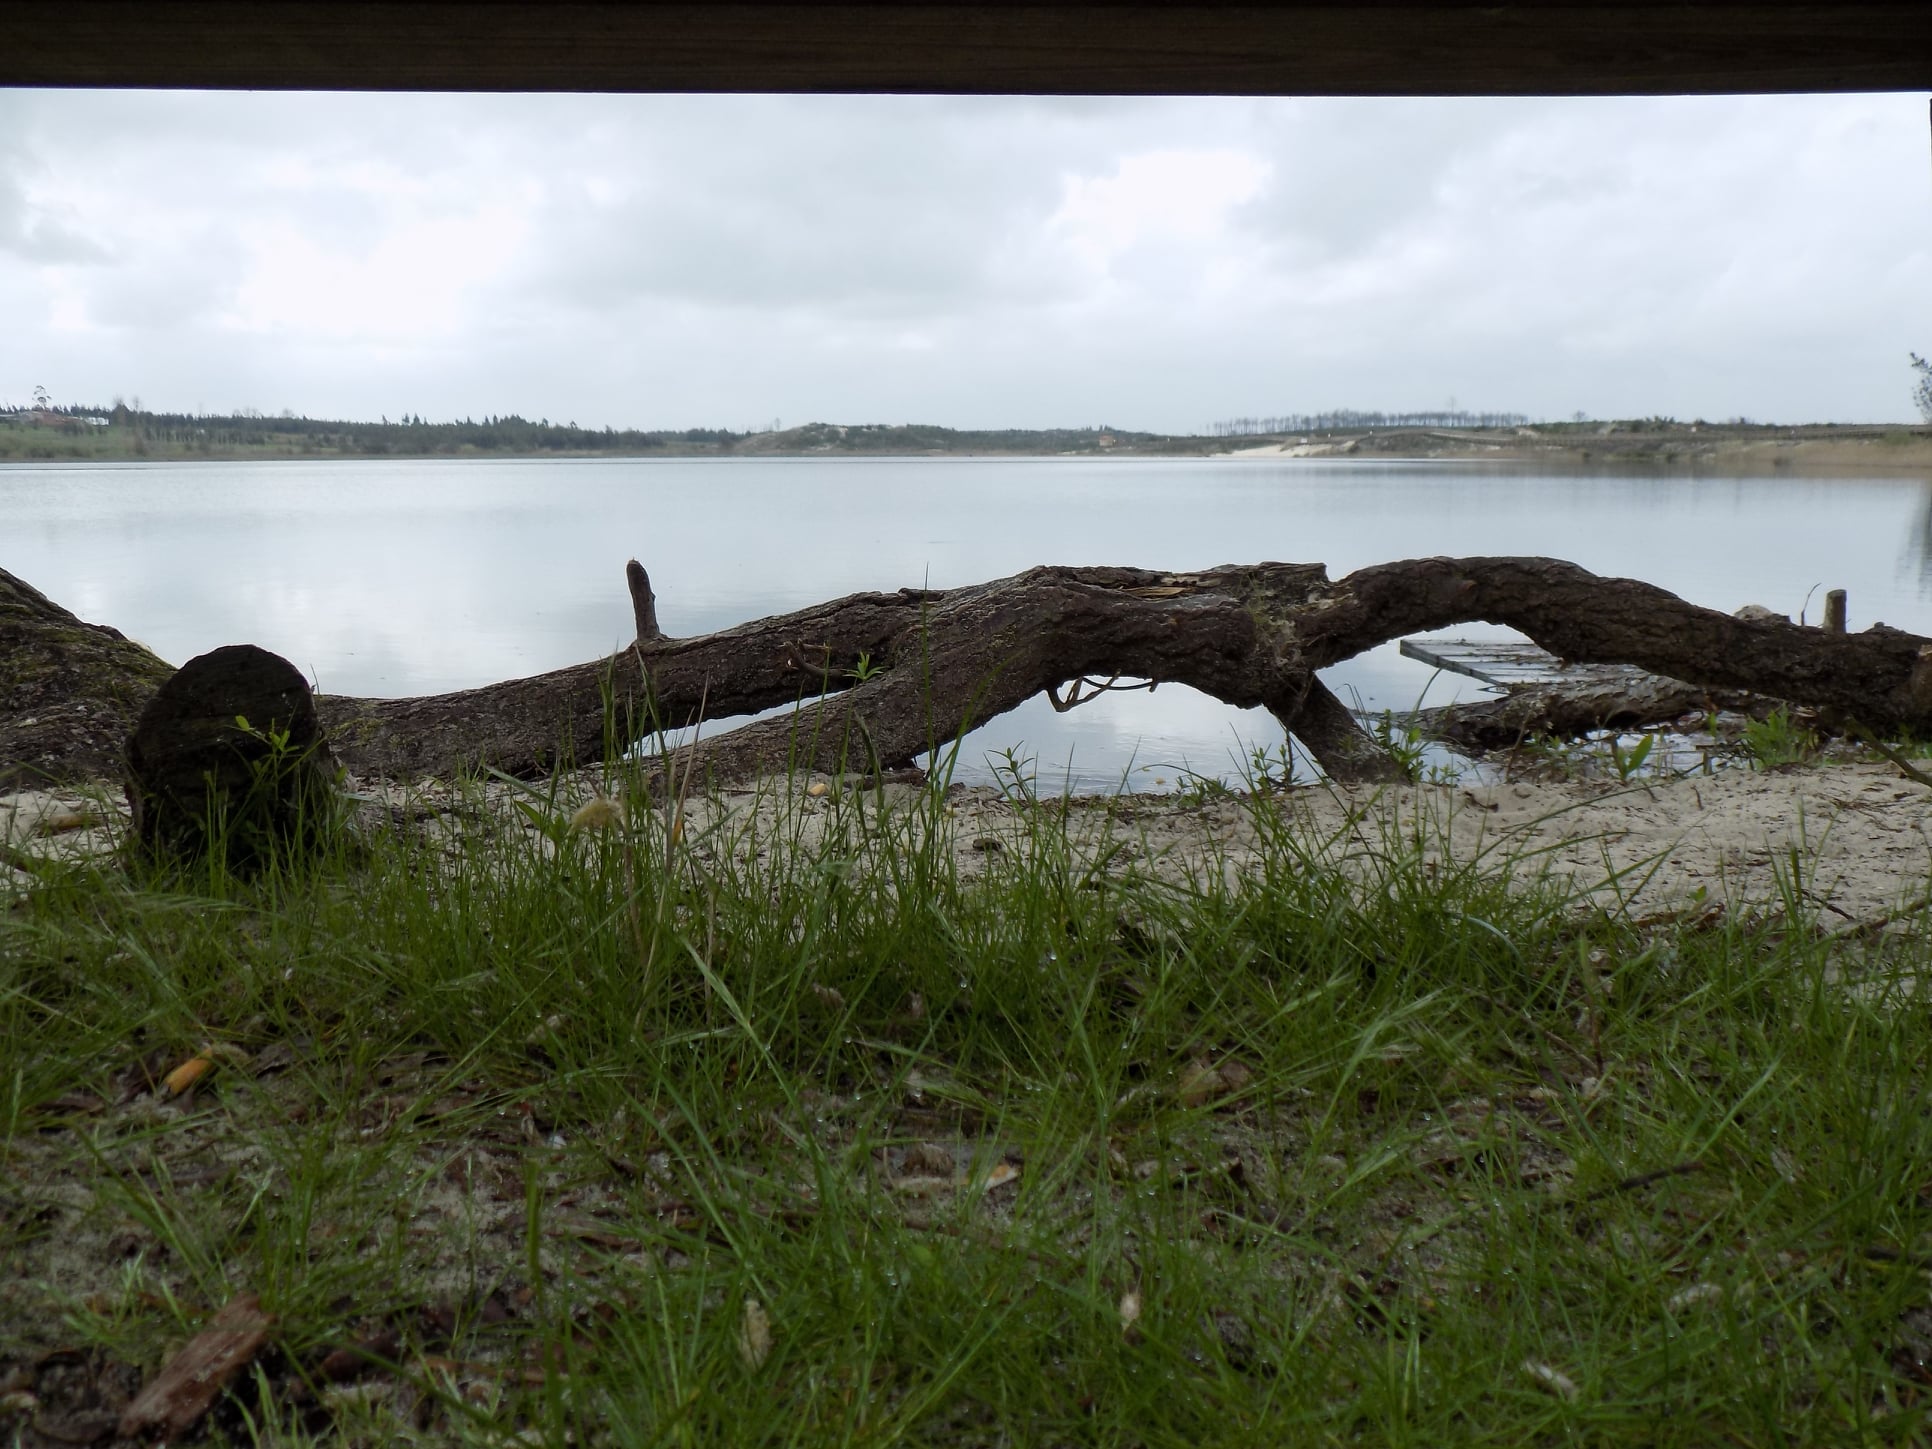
(1508, 664)
(1493, 661)
(1364, 48)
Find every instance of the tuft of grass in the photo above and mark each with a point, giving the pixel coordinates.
(522, 1120)
(1778, 739)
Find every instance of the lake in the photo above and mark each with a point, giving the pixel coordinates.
(382, 577)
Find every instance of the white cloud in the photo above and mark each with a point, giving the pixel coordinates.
(419, 280)
(1024, 261)
(1163, 195)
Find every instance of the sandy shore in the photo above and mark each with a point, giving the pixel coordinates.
(1719, 449)
(1847, 844)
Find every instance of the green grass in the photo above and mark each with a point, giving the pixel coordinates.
(1390, 1153)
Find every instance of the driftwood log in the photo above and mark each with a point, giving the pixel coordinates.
(880, 678)
(1568, 708)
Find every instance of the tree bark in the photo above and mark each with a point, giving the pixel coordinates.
(70, 691)
(881, 678)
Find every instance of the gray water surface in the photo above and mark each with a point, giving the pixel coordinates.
(385, 577)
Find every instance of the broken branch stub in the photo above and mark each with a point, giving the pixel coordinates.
(643, 602)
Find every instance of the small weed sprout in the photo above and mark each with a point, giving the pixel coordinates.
(1199, 789)
(1403, 742)
(1016, 775)
(1779, 739)
(1270, 767)
(1628, 762)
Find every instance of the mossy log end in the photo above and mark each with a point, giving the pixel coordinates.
(229, 758)
(880, 678)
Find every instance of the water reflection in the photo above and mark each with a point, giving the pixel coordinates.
(1919, 545)
(412, 577)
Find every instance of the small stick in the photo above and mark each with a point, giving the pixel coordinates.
(1879, 923)
(643, 602)
(1643, 1179)
(24, 863)
(1912, 772)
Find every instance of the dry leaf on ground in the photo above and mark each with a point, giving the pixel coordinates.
(998, 1175)
(597, 813)
(929, 1159)
(754, 1335)
(60, 822)
(1203, 1081)
(1553, 1380)
(187, 1074)
(1200, 1082)
(1692, 1296)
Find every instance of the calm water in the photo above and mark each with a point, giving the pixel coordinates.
(387, 578)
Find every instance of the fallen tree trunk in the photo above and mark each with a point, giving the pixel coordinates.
(880, 678)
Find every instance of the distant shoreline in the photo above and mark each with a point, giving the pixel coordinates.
(1718, 448)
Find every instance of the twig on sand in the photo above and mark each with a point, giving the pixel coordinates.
(1906, 767)
(1879, 923)
(1643, 1179)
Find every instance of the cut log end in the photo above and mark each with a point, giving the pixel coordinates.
(228, 758)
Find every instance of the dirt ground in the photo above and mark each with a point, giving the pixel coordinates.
(1847, 846)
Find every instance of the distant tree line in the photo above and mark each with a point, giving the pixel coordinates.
(130, 430)
(1349, 420)
(929, 438)
(410, 433)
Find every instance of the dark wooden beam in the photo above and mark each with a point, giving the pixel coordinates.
(1552, 47)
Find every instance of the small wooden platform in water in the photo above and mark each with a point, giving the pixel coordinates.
(1510, 664)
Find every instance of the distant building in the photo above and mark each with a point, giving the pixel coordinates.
(48, 418)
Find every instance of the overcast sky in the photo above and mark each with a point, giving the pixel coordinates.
(1159, 264)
